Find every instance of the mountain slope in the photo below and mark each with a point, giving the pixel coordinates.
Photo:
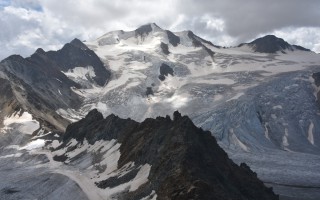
(186, 162)
(203, 84)
(44, 82)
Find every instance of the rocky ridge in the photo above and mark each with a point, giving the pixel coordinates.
(186, 162)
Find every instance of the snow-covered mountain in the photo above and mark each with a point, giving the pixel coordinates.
(259, 100)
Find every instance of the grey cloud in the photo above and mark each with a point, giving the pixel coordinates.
(247, 18)
(225, 23)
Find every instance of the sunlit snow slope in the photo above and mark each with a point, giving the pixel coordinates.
(256, 104)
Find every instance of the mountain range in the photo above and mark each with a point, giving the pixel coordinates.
(96, 119)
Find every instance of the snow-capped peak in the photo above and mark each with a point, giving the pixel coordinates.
(147, 28)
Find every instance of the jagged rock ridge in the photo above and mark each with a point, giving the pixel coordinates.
(186, 161)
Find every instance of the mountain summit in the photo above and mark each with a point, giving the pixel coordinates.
(147, 28)
(272, 44)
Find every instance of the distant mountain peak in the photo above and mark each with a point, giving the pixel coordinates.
(147, 28)
(272, 44)
(40, 51)
(153, 25)
(77, 43)
(271, 37)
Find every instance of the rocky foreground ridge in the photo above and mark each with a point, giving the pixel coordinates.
(186, 162)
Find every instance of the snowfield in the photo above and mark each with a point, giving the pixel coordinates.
(253, 103)
(22, 122)
(78, 174)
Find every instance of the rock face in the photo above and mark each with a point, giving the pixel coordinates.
(77, 54)
(186, 162)
(173, 39)
(165, 70)
(43, 82)
(165, 48)
(8, 102)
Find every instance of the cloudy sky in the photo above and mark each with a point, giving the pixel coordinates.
(26, 25)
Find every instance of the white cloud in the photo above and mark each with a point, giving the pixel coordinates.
(213, 23)
(29, 24)
(304, 36)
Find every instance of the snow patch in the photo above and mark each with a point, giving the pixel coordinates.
(81, 73)
(16, 147)
(277, 107)
(310, 133)
(35, 144)
(141, 177)
(285, 142)
(236, 96)
(101, 107)
(132, 185)
(23, 123)
(223, 81)
(178, 100)
(111, 156)
(235, 140)
(16, 155)
(69, 114)
(152, 196)
(266, 132)
(71, 143)
(55, 144)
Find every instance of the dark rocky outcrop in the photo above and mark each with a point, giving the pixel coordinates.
(316, 77)
(77, 54)
(146, 29)
(165, 70)
(198, 42)
(173, 39)
(164, 47)
(149, 91)
(195, 42)
(8, 102)
(186, 162)
(7, 95)
(272, 44)
(143, 30)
